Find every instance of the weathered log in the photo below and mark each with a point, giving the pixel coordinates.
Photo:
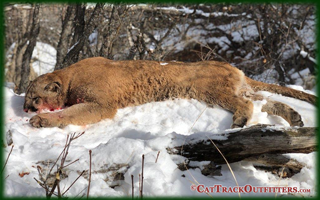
(277, 164)
(248, 142)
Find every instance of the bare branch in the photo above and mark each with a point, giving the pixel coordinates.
(5, 164)
(73, 183)
(89, 175)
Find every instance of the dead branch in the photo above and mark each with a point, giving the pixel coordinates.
(157, 157)
(89, 175)
(141, 191)
(132, 191)
(5, 164)
(57, 179)
(73, 182)
(140, 184)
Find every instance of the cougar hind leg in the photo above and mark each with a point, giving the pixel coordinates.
(284, 111)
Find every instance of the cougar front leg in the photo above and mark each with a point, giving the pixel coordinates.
(284, 111)
(78, 114)
(243, 112)
(241, 108)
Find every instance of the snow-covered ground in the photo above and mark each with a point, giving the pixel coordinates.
(145, 129)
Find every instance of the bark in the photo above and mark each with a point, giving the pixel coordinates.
(63, 44)
(248, 142)
(73, 53)
(20, 46)
(277, 164)
(32, 40)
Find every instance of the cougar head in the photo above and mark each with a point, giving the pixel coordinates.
(45, 92)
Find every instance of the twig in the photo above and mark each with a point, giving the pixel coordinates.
(73, 182)
(64, 155)
(89, 174)
(279, 181)
(141, 192)
(7, 159)
(70, 164)
(197, 119)
(79, 134)
(58, 186)
(66, 151)
(132, 186)
(80, 192)
(58, 181)
(82, 196)
(41, 184)
(140, 185)
(65, 146)
(52, 190)
(234, 177)
(157, 156)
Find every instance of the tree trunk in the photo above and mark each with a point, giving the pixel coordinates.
(20, 46)
(63, 44)
(32, 40)
(72, 55)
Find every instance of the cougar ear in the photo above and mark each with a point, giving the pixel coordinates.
(30, 83)
(53, 87)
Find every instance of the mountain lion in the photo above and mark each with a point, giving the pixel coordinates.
(94, 88)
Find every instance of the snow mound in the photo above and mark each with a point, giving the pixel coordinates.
(146, 129)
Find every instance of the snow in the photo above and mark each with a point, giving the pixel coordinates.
(267, 76)
(145, 129)
(200, 12)
(241, 31)
(43, 57)
(305, 54)
(93, 37)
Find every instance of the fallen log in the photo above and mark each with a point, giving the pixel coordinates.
(244, 143)
(277, 164)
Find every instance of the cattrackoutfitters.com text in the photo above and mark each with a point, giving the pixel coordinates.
(246, 189)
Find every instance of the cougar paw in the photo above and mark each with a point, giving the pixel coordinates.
(239, 122)
(295, 118)
(37, 121)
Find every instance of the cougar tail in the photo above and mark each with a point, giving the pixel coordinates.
(260, 86)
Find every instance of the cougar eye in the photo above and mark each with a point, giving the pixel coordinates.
(36, 100)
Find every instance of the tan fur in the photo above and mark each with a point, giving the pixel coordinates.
(284, 111)
(93, 89)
